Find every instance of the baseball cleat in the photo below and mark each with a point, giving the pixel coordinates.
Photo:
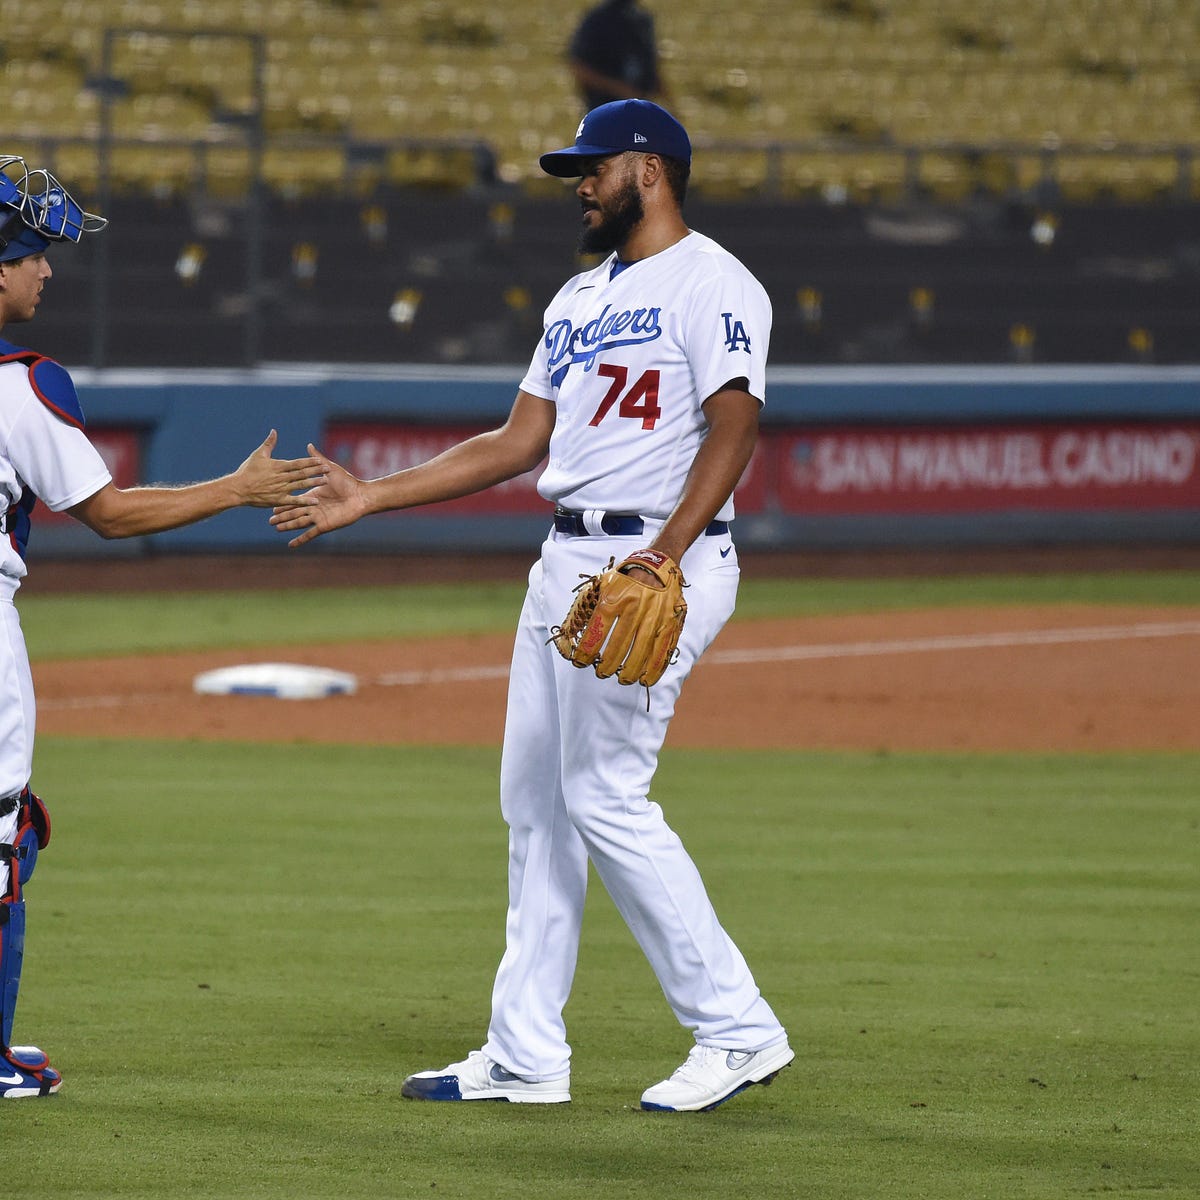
(26, 1072)
(710, 1076)
(479, 1078)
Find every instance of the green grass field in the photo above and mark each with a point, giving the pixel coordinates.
(71, 626)
(987, 964)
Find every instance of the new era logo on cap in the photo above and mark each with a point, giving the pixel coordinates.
(616, 127)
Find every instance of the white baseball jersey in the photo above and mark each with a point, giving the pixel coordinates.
(628, 360)
(43, 451)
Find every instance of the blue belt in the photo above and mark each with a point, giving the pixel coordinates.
(617, 525)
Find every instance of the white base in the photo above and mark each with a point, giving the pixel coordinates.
(282, 681)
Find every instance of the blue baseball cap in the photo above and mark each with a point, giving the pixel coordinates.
(613, 128)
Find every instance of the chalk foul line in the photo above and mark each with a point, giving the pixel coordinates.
(825, 650)
(442, 675)
(960, 641)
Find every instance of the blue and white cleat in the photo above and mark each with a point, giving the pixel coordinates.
(710, 1076)
(479, 1078)
(26, 1072)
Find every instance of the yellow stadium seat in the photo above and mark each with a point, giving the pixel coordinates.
(296, 170)
(438, 168)
(160, 170)
(946, 177)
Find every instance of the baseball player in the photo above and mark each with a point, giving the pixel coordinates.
(45, 454)
(645, 392)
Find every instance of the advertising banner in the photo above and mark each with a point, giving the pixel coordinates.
(945, 469)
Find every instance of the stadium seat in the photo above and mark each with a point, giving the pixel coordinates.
(928, 73)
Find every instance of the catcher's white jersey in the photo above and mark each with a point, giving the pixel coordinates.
(41, 452)
(628, 360)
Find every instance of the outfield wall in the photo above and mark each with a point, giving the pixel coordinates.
(849, 457)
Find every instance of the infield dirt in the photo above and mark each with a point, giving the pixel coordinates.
(1049, 678)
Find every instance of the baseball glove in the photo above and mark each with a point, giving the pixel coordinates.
(622, 626)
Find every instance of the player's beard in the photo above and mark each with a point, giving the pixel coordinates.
(616, 223)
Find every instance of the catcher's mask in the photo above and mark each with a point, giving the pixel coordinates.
(35, 210)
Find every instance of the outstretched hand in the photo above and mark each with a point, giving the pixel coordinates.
(264, 482)
(337, 500)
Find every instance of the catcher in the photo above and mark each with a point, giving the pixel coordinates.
(46, 455)
(644, 390)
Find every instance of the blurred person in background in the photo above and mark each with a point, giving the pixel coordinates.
(614, 54)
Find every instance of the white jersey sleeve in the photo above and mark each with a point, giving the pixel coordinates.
(629, 360)
(729, 330)
(54, 458)
(43, 453)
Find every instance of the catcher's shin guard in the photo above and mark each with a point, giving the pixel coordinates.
(24, 1070)
(12, 952)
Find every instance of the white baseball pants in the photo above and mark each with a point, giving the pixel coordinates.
(16, 718)
(579, 756)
